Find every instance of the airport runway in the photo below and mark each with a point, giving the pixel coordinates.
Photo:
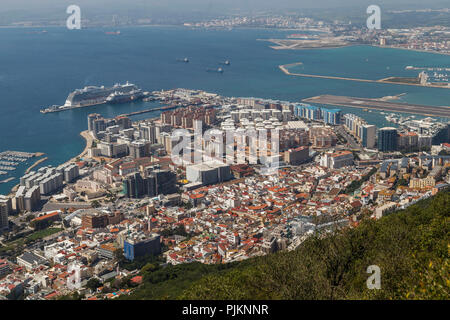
(375, 104)
(388, 80)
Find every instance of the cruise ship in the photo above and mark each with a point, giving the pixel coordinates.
(122, 97)
(91, 96)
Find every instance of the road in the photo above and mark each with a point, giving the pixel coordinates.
(51, 206)
(351, 141)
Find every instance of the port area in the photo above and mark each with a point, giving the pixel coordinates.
(65, 108)
(380, 104)
(165, 108)
(55, 108)
(389, 80)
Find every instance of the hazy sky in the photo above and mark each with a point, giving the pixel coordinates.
(39, 7)
(199, 4)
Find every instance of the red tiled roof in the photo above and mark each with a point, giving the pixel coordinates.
(49, 215)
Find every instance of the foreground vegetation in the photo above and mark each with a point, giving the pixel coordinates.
(411, 247)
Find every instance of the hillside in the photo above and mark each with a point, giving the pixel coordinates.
(411, 247)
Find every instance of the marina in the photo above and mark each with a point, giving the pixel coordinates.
(14, 157)
(10, 160)
(9, 163)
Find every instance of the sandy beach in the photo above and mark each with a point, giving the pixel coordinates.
(89, 139)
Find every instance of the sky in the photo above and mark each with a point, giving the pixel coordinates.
(48, 8)
(9, 5)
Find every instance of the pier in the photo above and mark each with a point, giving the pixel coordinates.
(377, 104)
(35, 164)
(165, 108)
(7, 180)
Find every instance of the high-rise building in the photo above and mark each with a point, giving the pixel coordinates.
(362, 131)
(297, 156)
(96, 123)
(337, 159)
(91, 118)
(165, 181)
(32, 199)
(328, 116)
(368, 133)
(387, 139)
(322, 137)
(133, 185)
(331, 116)
(407, 140)
(139, 245)
(94, 219)
(156, 182)
(147, 132)
(210, 172)
(70, 171)
(311, 112)
(19, 203)
(137, 149)
(5, 211)
(123, 122)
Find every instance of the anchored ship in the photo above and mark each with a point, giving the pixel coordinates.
(91, 96)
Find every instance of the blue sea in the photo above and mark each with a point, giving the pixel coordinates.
(40, 69)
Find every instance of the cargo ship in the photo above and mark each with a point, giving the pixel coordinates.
(91, 96)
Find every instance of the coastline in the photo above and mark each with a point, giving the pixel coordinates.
(279, 47)
(407, 49)
(13, 190)
(86, 136)
(89, 139)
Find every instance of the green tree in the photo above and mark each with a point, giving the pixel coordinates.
(93, 284)
(95, 204)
